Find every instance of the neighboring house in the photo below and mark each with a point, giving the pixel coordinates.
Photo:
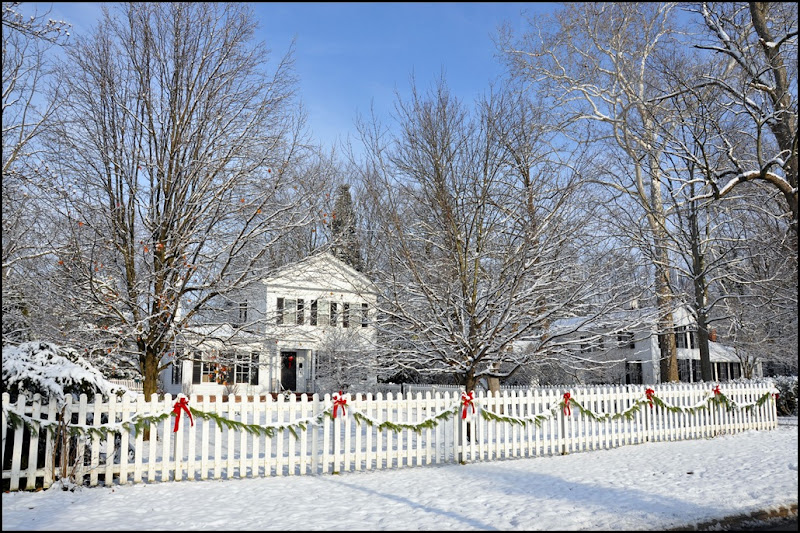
(272, 339)
(628, 342)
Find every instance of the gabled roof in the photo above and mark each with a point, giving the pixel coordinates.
(641, 316)
(322, 271)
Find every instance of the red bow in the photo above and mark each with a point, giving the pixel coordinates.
(776, 395)
(338, 401)
(181, 404)
(567, 409)
(466, 400)
(717, 391)
(649, 393)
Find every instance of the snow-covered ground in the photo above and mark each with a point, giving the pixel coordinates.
(651, 486)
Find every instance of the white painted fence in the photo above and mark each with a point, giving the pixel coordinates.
(210, 450)
(134, 385)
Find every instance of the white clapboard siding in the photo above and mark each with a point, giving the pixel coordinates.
(208, 450)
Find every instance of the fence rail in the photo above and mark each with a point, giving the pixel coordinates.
(367, 432)
(134, 385)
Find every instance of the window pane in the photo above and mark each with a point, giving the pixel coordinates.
(242, 313)
(633, 373)
(680, 337)
(279, 312)
(684, 371)
(334, 314)
(312, 319)
(290, 312)
(364, 315)
(301, 311)
(346, 315)
(323, 313)
(254, 368)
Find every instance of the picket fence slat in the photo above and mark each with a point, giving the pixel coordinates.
(210, 450)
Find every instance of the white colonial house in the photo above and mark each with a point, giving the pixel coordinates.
(628, 343)
(278, 335)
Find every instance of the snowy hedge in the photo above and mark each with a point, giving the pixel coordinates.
(787, 399)
(52, 371)
(787, 392)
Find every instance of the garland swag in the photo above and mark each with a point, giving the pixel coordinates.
(137, 423)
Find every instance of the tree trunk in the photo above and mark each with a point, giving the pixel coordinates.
(149, 364)
(706, 373)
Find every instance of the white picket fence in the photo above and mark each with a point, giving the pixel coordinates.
(134, 385)
(209, 450)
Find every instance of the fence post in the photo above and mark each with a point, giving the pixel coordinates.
(562, 415)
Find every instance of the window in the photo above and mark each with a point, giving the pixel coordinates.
(301, 312)
(242, 313)
(625, 340)
(279, 312)
(334, 314)
(723, 371)
(692, 330)
(633, 373)
(736, 370)
(684, 370)
(243, 368)
(312, 317)
(697, 372)
(680, 337)
(246, 369)
(204, 371)
(346, 315)
(323, 313)
(364, 315)
(290, 312)
(177, 364)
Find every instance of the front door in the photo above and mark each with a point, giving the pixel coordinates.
(288, 371)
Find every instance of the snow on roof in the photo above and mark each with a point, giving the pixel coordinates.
(323, 270)
(718, 353)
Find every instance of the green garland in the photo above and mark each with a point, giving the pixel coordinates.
(428, 423)
(138, 422)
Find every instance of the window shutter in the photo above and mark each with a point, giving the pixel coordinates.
(197, 371)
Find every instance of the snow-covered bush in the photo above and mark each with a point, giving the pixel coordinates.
(56, 373)
(787, 399)
(53, 371)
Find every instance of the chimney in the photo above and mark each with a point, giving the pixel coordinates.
(712, 335)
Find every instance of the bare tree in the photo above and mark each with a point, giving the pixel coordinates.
(486, 242)
(595, 62)
(344, 361)
(757, 43)
(175, 172)
(30, 96)
(730, 121)
(759, 283)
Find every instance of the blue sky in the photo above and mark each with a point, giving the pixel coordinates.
(350, 55)
(353, 55)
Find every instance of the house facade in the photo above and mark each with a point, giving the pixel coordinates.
(627, 345)
(641, 353)
(293, 331)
